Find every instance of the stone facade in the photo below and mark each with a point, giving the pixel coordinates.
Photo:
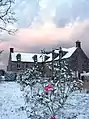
(78, 60)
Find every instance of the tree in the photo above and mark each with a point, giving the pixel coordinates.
(6, 15)
(45, 97)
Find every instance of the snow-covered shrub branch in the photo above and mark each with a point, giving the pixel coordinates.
(44, 97)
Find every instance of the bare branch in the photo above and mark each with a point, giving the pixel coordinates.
(6, 15)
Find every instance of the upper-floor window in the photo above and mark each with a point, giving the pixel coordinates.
(18, 66)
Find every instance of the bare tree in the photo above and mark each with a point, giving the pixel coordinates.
(6, 15)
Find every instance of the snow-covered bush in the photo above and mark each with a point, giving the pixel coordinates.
(45, 97)
(10, 76)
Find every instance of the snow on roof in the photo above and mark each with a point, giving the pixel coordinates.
(50, 59)
(70, 52)
(56, 51)
(63, 49)
(85, 74)
(25, 57)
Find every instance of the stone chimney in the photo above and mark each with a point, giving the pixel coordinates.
(11, 50)
(78, 44)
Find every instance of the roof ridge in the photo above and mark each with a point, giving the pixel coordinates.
(26, 52)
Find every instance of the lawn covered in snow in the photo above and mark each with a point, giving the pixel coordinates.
(11, 100)
(78, 105)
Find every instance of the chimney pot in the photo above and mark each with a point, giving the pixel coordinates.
(78, 44)
(11, 50)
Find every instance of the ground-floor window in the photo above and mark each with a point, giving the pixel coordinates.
(18, 66)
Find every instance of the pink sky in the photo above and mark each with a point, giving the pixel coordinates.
(39, 35)
(42, 35)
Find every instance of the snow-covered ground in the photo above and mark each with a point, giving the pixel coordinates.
(11, 100)
(79, 105)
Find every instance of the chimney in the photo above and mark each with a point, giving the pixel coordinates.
(78, 44)
(11, 50)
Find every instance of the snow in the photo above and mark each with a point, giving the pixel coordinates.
(50, 59)
(11, 101)
(63, 49)
(78, 104)
(70, 52)
(56, 51)
(25, 57)
(85, 74)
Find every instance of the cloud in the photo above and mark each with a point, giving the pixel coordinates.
(26, 11)
(69, 10)
(63, 11)
(47, 34)
(41, 34)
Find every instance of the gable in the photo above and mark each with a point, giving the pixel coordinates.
(83, 54)
(79, 52)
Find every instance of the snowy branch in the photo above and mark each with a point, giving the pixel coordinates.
(6, 15)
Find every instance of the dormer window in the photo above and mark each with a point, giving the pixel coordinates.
(18, 57)
(35, 58)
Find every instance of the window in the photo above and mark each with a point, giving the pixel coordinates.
(18, 65)
(26, 65)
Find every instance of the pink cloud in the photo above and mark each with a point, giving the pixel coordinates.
(42, 35)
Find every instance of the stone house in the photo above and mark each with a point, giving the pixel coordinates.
(75, 57)
(78, 60)
(20, 61)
